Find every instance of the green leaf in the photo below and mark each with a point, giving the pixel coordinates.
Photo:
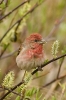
(38, 95)
(31, 92)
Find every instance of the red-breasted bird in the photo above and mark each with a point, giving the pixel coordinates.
(31, 52)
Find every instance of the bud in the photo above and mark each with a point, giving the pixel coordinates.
(9, 80)
(55, 48)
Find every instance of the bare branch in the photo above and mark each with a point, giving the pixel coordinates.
(8, 55)
(53, 81)
(15, 33)
(14, 9)
(55, 27)
(60, 66)
(4, 50)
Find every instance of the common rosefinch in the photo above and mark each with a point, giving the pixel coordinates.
(31, 53)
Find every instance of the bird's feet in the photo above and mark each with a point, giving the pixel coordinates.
(40, 69)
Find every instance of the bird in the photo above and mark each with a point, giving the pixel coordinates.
(31, 53)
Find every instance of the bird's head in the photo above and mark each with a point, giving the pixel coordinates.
(34, 40)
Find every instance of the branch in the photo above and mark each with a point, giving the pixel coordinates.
(30, 11)
(11, 90)
(57, 24)
(14, 9)
(53, 81)
(15, 32)
(61, 62)
(48, 63)
(4, 50)
(8, 55)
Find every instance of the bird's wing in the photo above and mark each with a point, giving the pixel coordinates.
(20, 48)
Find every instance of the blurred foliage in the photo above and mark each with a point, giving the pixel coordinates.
(41, 20)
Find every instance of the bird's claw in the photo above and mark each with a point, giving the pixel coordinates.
(40, 69)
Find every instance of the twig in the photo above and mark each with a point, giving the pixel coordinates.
(48, 63)
(53, 81)
(11, 24)
(15, 32)
(57, 25)
(4, 50)
(42, 75)
(11, 90)
(30, 11)
(14, 9)
(13, 18)
(60, 66)
(8, 55)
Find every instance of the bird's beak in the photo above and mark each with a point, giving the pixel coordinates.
(43, 41)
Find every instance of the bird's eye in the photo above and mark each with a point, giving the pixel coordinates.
(36, 40)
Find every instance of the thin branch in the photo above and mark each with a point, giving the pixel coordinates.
(11, 90)
(13, 18)
(4, 50)
(52, 60)
(8, 55)
(53, 81)
(42, 75)
(30, 11)
(15, 32)
(57, 24)
(61, 62)
(14, 9)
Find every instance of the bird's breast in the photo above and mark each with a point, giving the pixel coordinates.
(30, 58)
